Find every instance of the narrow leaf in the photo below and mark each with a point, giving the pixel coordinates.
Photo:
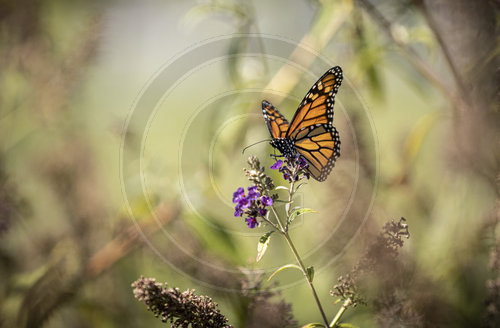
(263, 243)
(300, 211)
(310, 273)
(287, 266)
(300, 185)
(281, 187)
(347, 325)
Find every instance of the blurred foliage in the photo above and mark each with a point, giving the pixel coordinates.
(69, 72)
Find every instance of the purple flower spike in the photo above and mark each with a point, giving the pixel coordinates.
(262, 212)
(286, 176)
(266, 200)
(253, 194)
(252, 222)
(238, 211)
(238, 195)
(277, 165)
(244, 203)
(302, 162)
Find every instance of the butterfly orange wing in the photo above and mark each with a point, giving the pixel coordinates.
(276, 123)
(311, 128)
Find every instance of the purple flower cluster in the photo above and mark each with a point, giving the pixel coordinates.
(252, 205)
(294, 168)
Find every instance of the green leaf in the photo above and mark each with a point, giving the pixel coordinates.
(313, 325)
(347, 325)
(310, 273)
(300, 211)
(300, 185)
(287, 207)
(287, 266)
(281, 187)
(263, 243)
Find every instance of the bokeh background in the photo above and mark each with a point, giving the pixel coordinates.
(98, 188)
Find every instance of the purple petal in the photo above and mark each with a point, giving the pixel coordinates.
(277, 165)
(253, 194)
(251, 222)
(244, 203)
(302, 162)
(238, 211)
(238, 194)
(266, 200)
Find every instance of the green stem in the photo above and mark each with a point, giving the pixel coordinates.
(276, 227)
(290, 197)
(281, 229)
(299, 261)
(304, 271)
(340, 313)
(284, 231)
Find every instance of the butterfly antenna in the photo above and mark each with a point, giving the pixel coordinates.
(258, 142)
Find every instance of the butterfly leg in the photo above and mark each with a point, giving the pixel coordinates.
(275, 157)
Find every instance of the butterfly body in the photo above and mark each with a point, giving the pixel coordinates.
(311, 133)
(285, 146)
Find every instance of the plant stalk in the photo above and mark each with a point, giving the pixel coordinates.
(304, 271)
(284, 231)
(290, 198)
(340, 313)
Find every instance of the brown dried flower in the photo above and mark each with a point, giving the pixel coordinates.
(180, 308)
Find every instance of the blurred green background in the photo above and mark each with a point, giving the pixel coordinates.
(95, 193)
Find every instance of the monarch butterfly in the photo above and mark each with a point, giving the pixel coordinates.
(311, 132)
